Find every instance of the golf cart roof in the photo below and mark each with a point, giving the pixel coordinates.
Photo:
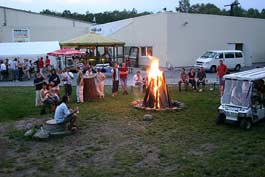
(250, 75)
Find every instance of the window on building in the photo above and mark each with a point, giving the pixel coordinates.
(230, 55)
(146, 51)
(238, 55)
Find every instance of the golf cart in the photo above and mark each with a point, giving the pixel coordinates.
(243, 100)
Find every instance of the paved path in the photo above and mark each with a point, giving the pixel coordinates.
(172, 77)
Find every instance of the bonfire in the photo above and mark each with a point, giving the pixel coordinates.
(156, 95)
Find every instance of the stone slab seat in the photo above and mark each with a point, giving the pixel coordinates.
(55, 128)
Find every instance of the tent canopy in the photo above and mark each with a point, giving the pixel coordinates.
(91, 39)
(66, 52)
(27, 49)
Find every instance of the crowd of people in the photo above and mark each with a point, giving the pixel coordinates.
(48, 87)
(22, 69)
(16, 70)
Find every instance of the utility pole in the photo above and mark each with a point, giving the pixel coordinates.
(234, 4)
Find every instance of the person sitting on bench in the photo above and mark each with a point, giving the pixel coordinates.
(63, 114)
(183, 79)
(201, 77)
(192, 81)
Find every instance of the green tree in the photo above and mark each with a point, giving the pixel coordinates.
(253, 13)
(262, 13)
(205, 9)
(184, 6)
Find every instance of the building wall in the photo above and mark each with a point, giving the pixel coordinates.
(190, 35)
(41, 27)
(143, 31)
(178, 39)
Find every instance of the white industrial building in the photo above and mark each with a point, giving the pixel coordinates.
(178, 39)
(24, 26)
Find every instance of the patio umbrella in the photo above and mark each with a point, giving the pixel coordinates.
(66, 52)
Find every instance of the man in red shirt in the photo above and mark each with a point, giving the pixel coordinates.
(47, 63)
(221, 71)
(41, 65)
(123, 78)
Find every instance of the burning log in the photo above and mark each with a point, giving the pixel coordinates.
(157, 98)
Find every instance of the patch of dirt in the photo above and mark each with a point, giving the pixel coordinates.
(201, 150)
(151, 157)
(95, 145)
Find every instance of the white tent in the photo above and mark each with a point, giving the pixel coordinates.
(29, 50)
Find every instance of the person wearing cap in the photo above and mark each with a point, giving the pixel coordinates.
(221, 71)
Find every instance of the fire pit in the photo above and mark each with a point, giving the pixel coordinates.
(157, 96)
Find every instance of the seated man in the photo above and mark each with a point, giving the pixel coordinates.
(63, 114)
(201, 76)
(183, 79)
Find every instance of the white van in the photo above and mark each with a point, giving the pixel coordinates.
(233, 59)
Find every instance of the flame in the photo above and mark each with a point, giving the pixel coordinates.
(156, 77)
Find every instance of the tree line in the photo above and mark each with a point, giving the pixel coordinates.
(101, 18)
(183, 6)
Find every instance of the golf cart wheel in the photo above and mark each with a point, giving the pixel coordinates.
(220, 119)
(213, 69)
(237, 68)
(245, 124)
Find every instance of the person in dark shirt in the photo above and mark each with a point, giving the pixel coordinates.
(192, 78)
(201, 77)
(38, 81)
(54, 81)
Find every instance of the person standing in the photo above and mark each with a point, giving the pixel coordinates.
(48, 64)
(20, 70)
(15, 69)
(38, 81)
(67, 81)
(79, 86)
(100, 77)
(54, 80)
(3, 70)
(123, 77)
(115, 79)
(221, 71)
(41, 65)
(26, 68)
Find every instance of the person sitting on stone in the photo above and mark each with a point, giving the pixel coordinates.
(183, 79)
(63, 114)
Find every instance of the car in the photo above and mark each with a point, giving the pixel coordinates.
(243, 99)
(233, 59)
(105, 68)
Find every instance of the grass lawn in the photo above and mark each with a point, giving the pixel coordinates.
(115, 141)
